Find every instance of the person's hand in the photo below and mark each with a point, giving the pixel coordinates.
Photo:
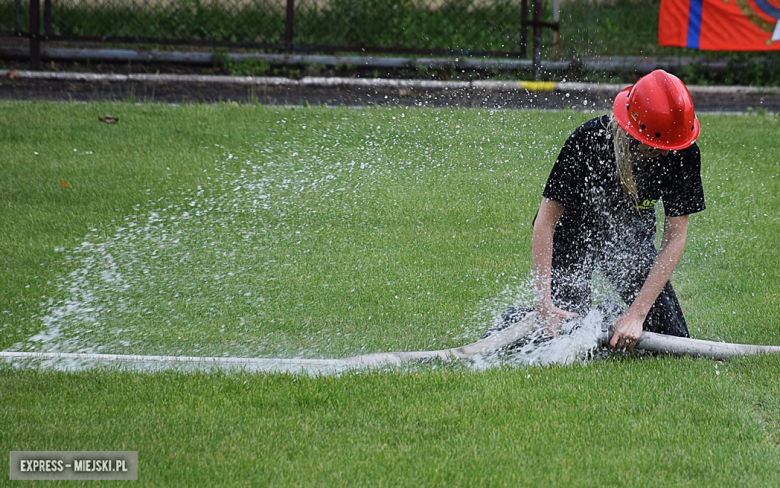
(552, 317)
(628, 330)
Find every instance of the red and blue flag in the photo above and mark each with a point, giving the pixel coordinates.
(720, 25)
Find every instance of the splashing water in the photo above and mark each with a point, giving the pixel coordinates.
(200, 276)
(579, 342)
(195, 273)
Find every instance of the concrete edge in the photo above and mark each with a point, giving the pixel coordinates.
(375, 83)
(639, 64)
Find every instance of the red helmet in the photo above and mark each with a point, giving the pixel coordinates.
(658, 111)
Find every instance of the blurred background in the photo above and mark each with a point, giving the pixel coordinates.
(559, 38)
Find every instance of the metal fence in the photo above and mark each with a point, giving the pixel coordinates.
(468, 27)
(428, 27)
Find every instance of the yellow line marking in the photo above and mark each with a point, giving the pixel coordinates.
(538, 86)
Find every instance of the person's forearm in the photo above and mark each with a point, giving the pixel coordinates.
(544, 228)
(672, 246)
(542, 264)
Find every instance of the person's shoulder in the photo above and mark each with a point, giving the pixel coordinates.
(683, 161)
(690, 151)
(600, 123)
(688, 156)
(594, 128)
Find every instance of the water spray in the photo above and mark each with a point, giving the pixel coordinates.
(517, 337)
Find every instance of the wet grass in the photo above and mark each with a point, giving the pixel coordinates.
(627, 421)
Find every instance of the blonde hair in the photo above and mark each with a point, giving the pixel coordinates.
(626, 156)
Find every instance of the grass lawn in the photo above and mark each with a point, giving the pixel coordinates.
(268, 231)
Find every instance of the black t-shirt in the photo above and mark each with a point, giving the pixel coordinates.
(584, 180)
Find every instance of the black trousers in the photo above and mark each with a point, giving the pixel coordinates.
(626, 269)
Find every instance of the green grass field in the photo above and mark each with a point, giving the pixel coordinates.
(317, 232)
